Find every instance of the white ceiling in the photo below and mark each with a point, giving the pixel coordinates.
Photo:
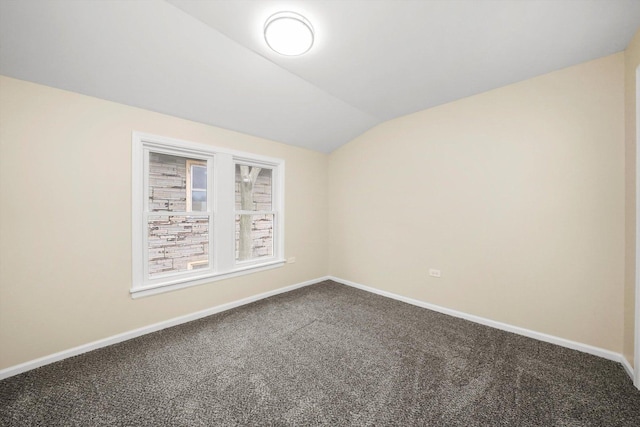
(373, 60)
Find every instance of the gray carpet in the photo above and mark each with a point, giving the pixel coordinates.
(325, 355)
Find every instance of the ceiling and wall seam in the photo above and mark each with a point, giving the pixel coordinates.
(373, 61)
(378, 120)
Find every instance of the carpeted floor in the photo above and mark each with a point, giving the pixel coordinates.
(325, 355)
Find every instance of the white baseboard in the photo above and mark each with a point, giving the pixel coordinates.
(585, 348)
(627, 367)
(36, 363)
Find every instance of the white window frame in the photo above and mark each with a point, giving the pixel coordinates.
(220, 208)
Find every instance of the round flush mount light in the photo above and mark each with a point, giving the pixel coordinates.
(288, 33)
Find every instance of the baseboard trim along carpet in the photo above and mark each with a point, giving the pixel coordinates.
(574, 345)
(585, 348)
(627, 367)
(36, 363)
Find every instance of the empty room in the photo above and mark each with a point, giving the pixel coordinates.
(318, 212)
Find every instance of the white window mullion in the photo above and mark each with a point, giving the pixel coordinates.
(212, 196)
(225, 221)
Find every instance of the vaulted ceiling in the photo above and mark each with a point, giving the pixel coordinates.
(373, 60)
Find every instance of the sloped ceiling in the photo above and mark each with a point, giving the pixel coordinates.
(372, 60)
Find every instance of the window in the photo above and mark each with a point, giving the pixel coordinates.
(253, 212)
(178, 228)
(202, 213)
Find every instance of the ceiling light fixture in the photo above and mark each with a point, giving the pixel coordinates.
(288, 33)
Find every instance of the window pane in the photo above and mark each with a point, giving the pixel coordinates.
(196, 186)
(178, 243)
(168, 183)
(253, 188)
(254, 236)
(199, 176)
(198, 200)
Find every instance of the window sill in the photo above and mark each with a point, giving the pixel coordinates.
(144, 291)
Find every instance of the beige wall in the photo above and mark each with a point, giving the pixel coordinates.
(632, 60)
(65, 220)
(516, 194)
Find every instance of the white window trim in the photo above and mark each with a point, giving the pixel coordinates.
(221, 208)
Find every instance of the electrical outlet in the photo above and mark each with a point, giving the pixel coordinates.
(291, 260)
(434, 273)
